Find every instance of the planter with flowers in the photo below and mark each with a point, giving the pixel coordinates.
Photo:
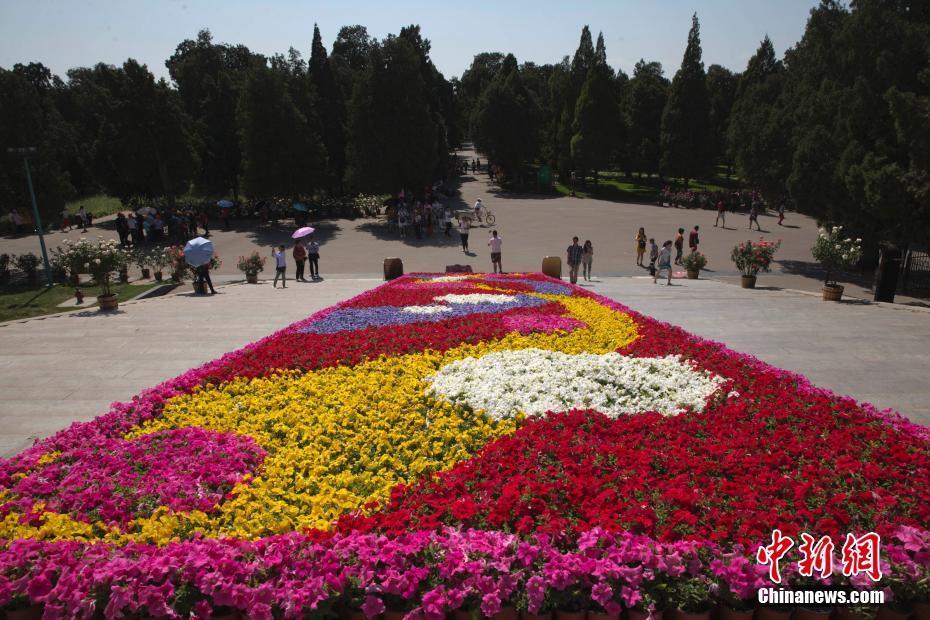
(835, 253)
(159, 260)
(104, 258)
(199, 285)
(142, 259)
(693, 264)
(251, 266)
(177, 263)
(751, 257)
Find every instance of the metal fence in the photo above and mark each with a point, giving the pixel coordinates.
(915, 277)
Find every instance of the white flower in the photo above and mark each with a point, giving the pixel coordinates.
(535, 381)
(425, 309)
(86, 265)
(97, 261)
(443, 279)
(476, 298)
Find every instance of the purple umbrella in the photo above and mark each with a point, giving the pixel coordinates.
(302, 232)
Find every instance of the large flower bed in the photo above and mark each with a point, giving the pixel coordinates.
(454, 442)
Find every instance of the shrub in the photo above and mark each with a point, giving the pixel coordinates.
(251, 264)
(694, 261)
(27, 263)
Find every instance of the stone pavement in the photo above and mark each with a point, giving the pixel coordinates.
(69, 367)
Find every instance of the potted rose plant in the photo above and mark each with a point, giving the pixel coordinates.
(251, 265)
(751, 257)
(142, 259)
(694, 262)
(835, 253)
(201, 287)
(106, 258)
(177, 263)
(159, 260)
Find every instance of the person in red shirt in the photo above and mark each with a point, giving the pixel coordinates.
(693, 239)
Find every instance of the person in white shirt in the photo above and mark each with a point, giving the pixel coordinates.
(478, 206)
(495, 243)
(280, 267)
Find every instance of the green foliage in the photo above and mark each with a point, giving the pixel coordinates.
(282, 151)
(686, 135)
(330, 104)
(505, 121)
(695, 261)
(648, 94)
(596, 125)
(751, 257)
(392, 136)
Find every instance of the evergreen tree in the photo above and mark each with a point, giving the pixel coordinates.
(758, 132)
(505, 121)
(392, 137)
(597, 116)
(721, 92)
(282, 151)
(330, 106)
(648, 93)
(685, 141)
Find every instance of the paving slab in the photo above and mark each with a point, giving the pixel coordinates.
(69, 367)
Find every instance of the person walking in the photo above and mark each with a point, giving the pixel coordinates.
(132, 225)
(640, 239)
(313, 256)
(574, 252)
(280, 267)
(587, 259)
(65, 220)
(781, 211)
(721, 213)
(203, 276)
(82, 215)
(447, 220)
(495, 244)
(464, 226)
(693, 239)
(122, 229)
(679, 245)
(205, 221)
(665, 262)
(653, 256)
(300, 257)
(754, 216)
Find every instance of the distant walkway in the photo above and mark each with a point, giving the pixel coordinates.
(70, 367)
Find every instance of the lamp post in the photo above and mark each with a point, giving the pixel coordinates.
(26, 151)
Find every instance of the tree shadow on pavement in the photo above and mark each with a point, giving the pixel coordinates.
(812, 270)
(270, 235)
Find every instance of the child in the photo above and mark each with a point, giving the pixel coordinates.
(665, 262)
(653, 256)
(280, 267)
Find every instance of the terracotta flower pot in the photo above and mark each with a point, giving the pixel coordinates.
(251, 278)
(693, 274)
(461, 614)
(636, 614)
(846, 613)
(33, 612)
(525, 615)
(832, 293)
(747, 281)
(506, 613)
(888, 613)
(773, 613)
(108, 302)
(229, 615)
(678, 614)
(354, 614)
(921, 611)
(569, 615)
(394, 615)
(804, 613)
(593, 615)
(158, 276)
(146, 274)
(727, 613)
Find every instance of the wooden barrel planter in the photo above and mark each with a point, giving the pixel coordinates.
(747, 281)
(552, 267)
(693, 275)
(108, 302)
(832, 293)
(393, 268)
(251, 278)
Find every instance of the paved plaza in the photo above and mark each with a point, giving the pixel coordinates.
(532, 226)
(69, 367)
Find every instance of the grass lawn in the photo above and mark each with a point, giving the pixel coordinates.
(616, 187)
(22, 302)
(97, 206)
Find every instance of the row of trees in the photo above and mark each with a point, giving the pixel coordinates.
(371, 116)
(839, 126)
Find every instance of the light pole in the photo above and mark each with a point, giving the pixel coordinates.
(26, 151)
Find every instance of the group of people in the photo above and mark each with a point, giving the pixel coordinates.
(660, 259)
(305, 250)
(178, 226)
